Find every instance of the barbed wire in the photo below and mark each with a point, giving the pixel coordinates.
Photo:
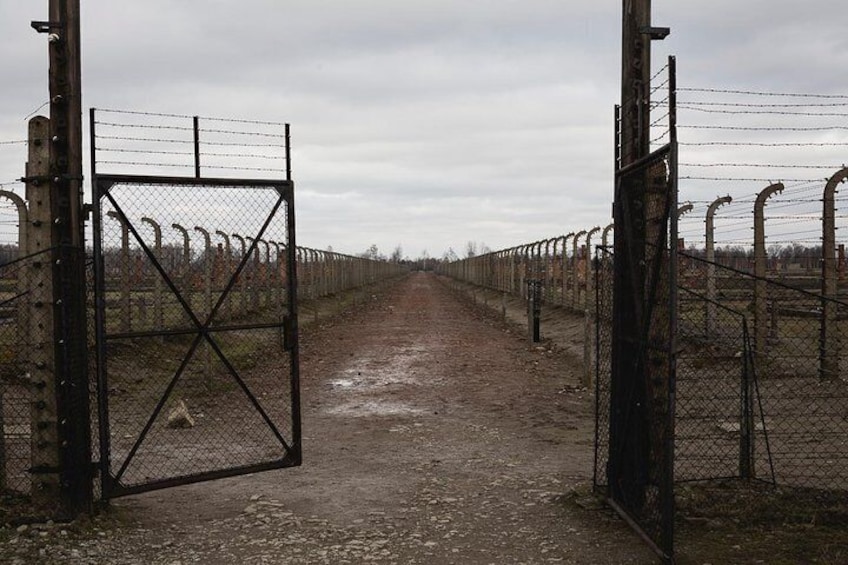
(744, 179)
(763, 128)
(187, 116)
(761, 112)
(762, 93)
(191, 141)
(144, 126)
(761, 165)
(764, 144)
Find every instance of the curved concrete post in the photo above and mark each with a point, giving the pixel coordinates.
(158, 309)
(207, 268)
(265, 273)
(605, 235)
(761, 319)
(254, 274)
(22, 309)
(830, 345)
(710, 312)
(228, 271)
(207, 301)
(185, 264)
(242, 279)
(590, 271)
(565, 267)
(575, 300)
(549, 270)
(588, 318)
(275, 274)
(125, 284)
(682, 210)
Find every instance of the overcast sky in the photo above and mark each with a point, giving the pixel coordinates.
(424, 124)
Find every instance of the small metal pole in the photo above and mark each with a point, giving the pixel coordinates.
(196, 128)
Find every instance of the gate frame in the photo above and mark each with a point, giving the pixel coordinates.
(101, 186)
(630, 449)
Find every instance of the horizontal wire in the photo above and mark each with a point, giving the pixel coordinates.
(271, 169)
(748, 105)
(762, 112)
(761, 165)
(756, 93)
(14, 142)
(257, 134)
(763, 128)
(208, 154)
(145, 164)
(741, 179)
(202, 142)
(757, 144)
(210, 118)
(143, 151)
(143, 126)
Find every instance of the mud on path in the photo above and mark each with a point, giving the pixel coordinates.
(433, 433)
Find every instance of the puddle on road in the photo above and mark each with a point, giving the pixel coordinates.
(374, 408)
(367, 378)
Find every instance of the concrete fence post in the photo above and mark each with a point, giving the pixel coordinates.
(228, 270)
(830, 345)
(21, 311)
(710, 312)
(125, 271)
(186, 263)
(158, 308)
(761, 319)
(242, 279)
(575, 286)
(207, 300)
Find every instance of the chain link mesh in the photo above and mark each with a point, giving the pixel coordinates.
(194, 292)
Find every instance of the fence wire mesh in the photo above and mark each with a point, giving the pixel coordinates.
(194, 294)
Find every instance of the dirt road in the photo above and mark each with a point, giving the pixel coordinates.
(433, 434)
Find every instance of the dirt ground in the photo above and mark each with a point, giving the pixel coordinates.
(433, 433)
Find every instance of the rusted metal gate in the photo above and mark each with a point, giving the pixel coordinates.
(641, 314)
(196, 349)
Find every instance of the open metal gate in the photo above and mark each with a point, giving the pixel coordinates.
(196, 323)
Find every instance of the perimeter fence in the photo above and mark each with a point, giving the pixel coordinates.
(163, 260)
